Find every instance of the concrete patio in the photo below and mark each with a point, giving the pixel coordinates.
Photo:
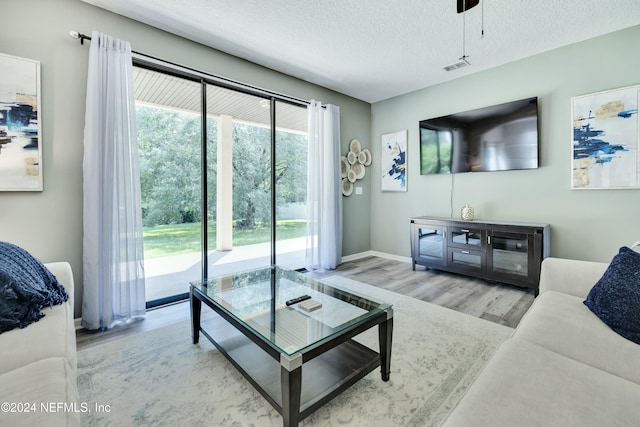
(168, 276)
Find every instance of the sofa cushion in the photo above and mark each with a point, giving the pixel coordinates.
(527, 385)
(615, 298)
(561, 323)
(52, 336)
(570, 276)
(49, 382)
(26, 286)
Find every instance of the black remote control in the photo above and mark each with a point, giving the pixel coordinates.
(297, 300)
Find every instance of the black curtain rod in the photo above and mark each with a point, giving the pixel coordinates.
(83, 37)
(77, 35)
(222, 81)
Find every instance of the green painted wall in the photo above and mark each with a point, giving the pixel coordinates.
(589, 225)
(49, 223)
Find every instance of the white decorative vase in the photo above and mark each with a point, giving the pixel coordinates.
(467, 212)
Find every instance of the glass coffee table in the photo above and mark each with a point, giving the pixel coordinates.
(298, 355)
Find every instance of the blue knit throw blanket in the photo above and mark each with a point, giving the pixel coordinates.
(26, 286)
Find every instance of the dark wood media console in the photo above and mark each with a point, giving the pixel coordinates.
(506, 252)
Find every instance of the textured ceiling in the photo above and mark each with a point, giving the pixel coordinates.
(376, 49)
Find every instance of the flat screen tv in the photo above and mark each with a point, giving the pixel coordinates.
(497, 138)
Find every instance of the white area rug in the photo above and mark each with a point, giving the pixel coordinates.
(159, 378)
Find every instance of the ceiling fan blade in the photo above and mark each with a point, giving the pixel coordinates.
(464, 5)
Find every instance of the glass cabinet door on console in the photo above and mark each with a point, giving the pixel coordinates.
(430, 244)
(466, 237)
(466, 248)
(467, 260)
(512, 255)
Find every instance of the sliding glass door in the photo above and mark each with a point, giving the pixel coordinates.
(248, 224)
(230, 201)
(290, 184)
(168, 114)
(239, 212)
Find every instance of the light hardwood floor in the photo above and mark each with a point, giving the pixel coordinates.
(495, 302)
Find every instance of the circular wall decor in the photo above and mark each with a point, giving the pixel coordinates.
(347, 187)
(359, 170)
(367, 160)
(352, 157)
(355, 146)
(344, 167)
(362, 157)
(352, 166)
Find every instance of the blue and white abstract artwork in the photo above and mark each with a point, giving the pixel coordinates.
(605, 140)
(20, 128)
(394, 161)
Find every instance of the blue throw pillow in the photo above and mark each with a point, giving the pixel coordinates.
(615, 299)
(26, 286)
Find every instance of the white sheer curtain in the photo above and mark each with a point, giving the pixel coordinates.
(113, 276)
(324, 197)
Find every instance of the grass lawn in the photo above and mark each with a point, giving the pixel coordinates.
(176, 239)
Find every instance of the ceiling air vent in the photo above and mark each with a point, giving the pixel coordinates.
(456, 65)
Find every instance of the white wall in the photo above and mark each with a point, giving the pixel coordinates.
(589, 225)
(49, 223)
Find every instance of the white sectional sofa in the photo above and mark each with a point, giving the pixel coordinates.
(562, 367)
(38, 366)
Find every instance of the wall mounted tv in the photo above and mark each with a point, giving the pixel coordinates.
(497, 138)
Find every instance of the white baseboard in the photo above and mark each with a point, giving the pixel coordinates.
(365, 254)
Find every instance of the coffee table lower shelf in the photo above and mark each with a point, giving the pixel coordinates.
(323, 377)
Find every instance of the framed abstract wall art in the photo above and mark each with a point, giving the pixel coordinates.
(20, 125)
(605, 146)
(394, 161)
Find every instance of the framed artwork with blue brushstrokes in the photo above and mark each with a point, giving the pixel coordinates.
(394, 161)
(605, 152)
(20, 124)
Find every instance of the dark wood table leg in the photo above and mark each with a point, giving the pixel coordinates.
(196, 308)
(291, 382)
(385, 333)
